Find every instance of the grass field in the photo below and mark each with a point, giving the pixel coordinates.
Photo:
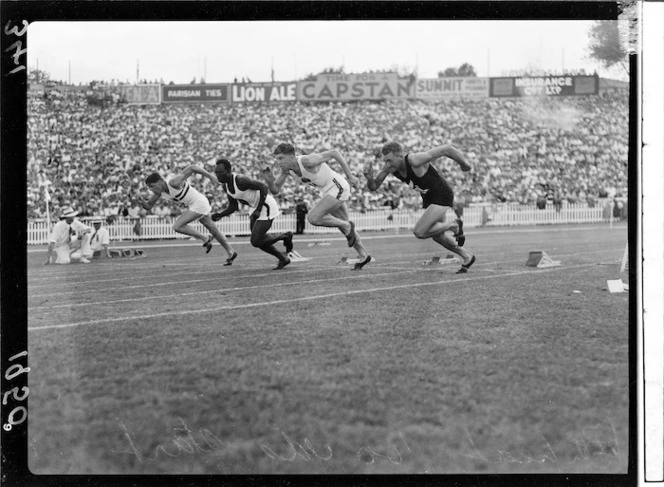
(175, 364)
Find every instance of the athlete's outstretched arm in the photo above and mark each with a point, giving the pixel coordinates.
(447, 150)
(374, 183)
(230, 209)
(313, 160)
(274, 185)
(177, 181)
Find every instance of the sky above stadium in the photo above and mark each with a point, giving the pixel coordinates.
(221, 51)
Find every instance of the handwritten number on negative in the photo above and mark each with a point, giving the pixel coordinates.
(15, 394)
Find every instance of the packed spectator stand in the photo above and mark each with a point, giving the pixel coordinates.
(92, 151)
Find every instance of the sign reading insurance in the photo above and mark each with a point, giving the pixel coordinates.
(218, 93)
(544, 86)
(368, 86)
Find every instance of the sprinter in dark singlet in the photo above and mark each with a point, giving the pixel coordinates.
(241, 189)
(437, 196)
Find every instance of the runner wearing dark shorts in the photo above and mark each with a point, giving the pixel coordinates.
(437, 196)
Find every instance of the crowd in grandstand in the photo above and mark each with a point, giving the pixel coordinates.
(94, 157)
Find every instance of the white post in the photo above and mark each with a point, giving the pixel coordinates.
(47, 198)
(48, 217)
(624, 259)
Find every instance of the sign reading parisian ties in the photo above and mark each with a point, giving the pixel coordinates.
(346, 87)
(141, 94)
(544, 86)
(439, 88)
(219, 93)
(264, 92)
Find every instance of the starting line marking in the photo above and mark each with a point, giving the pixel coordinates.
(291, 283)
(305, 298)
(248, 276)
(200, 262)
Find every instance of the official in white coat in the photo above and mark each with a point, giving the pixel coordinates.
(68, 229)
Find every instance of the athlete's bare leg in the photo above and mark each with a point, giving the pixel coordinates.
(260, 237)
(450, 244)
(322, 214)
(207, 222)
(430, 223)
(261, 240)
(342, 214)
(181, 224)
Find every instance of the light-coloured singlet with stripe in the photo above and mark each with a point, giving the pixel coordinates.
(189, 196)
(331, 182)
(251, 197)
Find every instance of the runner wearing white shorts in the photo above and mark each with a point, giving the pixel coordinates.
(241, 189)
(331, 210)
(198, 207)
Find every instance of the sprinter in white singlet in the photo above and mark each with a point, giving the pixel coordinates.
(198, 207)
(241, 189)
(331, 210)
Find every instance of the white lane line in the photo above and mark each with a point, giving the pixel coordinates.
(167, 283)
(306, 298)
(248, 276)
(250, 259)
(356, 275)
(251, 263)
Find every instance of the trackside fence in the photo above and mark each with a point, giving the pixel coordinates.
(476, 215)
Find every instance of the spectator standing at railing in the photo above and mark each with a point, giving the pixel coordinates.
(301, 210)
(198, 207)
(415, 168)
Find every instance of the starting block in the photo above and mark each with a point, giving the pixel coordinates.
(540, 259)
(295, 256)
(435, 260)
(617, 286)
(318, 243)
(124, 253)
(345, 260)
